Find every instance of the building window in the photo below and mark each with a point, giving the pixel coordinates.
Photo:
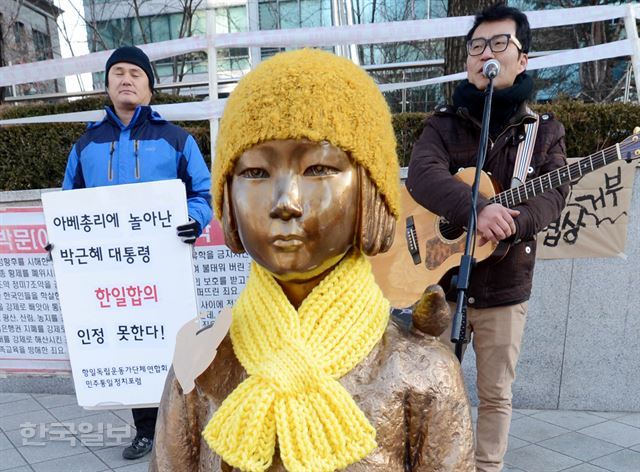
(377, 11)
(232, 20)
(20, 34)
(42, 43)
(282, 14)
(141, 29)
(114, 33)
(111, 34)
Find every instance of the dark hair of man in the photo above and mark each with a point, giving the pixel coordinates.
(498, 12)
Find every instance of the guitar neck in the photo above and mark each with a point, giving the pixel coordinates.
(564, 175)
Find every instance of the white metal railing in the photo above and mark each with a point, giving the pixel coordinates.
(376, 33)
(226, 86)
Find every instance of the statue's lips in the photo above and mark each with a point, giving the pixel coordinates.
(290, 242)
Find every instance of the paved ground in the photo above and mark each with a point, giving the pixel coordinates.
(50, 433)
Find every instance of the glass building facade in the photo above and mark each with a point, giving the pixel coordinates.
(387, 63)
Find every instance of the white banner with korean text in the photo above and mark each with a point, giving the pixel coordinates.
(594, 221)
(126, 286)
(32, 339)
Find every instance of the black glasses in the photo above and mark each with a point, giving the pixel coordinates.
(497, 43)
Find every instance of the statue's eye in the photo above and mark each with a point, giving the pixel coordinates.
(254, 173)
(320, 170)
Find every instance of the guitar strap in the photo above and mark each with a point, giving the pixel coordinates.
(525, 151)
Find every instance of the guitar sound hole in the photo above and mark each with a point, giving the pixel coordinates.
(449, 231)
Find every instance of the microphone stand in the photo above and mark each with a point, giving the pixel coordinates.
(459, 322)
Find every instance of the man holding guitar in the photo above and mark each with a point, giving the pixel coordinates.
(498, 291)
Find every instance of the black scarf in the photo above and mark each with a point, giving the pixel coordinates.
(505, 101)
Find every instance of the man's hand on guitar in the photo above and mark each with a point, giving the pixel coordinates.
(495, 223)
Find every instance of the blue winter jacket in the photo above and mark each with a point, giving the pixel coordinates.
(149, 148)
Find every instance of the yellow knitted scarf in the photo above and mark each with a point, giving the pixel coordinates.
(294, 359)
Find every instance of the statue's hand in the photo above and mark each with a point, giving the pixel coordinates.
(431, 314)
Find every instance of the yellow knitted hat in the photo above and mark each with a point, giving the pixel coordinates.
(315, 95)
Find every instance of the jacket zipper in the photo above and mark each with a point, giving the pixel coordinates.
(513, 125)
(136, 143)
(110, 170)
(492, 142)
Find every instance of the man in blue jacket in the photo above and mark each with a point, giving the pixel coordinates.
(134, 144)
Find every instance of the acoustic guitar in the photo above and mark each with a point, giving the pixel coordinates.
(427, 248)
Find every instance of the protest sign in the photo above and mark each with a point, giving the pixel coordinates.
(126, 286)
(32, 337)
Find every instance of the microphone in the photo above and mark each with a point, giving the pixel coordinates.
(491, 69)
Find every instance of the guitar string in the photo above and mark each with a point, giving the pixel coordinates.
(591, 163)
(599, 159)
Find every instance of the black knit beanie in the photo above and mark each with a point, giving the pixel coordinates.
(131, 55)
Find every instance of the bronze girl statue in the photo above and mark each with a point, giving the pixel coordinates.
(313, 375)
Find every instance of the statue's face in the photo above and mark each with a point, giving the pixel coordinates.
(295, 205)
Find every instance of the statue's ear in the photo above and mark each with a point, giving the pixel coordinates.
(376, 224)
(229, 227)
